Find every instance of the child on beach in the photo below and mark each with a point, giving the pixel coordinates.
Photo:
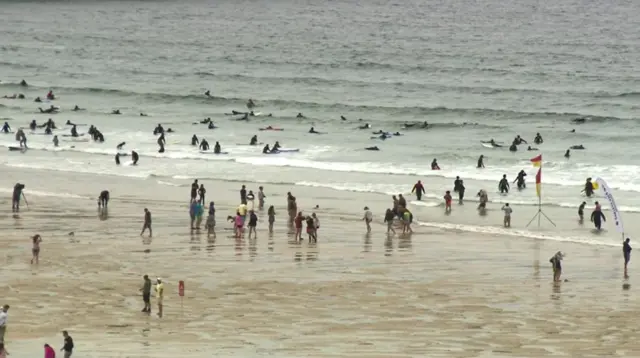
(298, 223)
(272, 218)
(507, 215)
(253, 222)
(447, 201)
(388, 218)
(199, 213)
(238, 224)
(261, 197)
(368, 218)
(35, 250)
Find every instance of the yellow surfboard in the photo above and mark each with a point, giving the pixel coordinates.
(595, 185)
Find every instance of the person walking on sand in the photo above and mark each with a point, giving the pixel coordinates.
(507, 215)
(253, 222)
(271, 212)
(626, 253)
(159, 295)
(447, 201)
(388, 218)
(146, 294)
(35, 250)
(4, 316)
(368, 218)
(147, 222)
(67, 348)
(557, 265)
(261, 197)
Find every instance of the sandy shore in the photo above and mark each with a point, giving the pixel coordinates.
(445, 291)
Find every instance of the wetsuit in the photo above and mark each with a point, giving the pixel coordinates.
(419, 189)
(597, 217)
(103, 199)
(17, 195)
(503, 186)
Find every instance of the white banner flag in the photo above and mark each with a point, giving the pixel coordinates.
(614, 209)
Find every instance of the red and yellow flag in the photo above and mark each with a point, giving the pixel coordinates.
(537, 162)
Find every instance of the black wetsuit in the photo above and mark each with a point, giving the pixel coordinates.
(17, 194)
(503, 186)
(103, 200)
(588, 189)
(597, 217)
(134, 157)
(118, 159)
(243, 196)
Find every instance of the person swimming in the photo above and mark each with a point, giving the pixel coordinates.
(254, 140)
(169, 130)
(365, 126)
(119, 146)
(531, 148)
(567, 154)
(143, 114)
(205, 121)
(513, 147)
(98, 137)
(579, 120)
(434, 164)
(33, 125)
(312, 130)
(538, 139)
(38, 100)
(266, 149)
(204, 145)
(343, 118)
(216, 148)
(76, 108)
(372, 148)
(577, 147)
(207, 93)
(51, 109)
(211, 126)
(300, 116)
(6, 128)
(194, 140)
(116, 111)
(74, 131)
(517, 140)
(480, 161)
(55, 141)
(424, 125)
(492, 142)
(503, 185)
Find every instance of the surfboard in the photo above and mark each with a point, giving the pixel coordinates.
(272, 129)
(17, 149)
(595, 185)
(249, 145)
(288, 150)
(210, 152)
(69, 135)
(488, 145)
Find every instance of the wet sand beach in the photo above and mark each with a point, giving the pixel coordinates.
(438, 293)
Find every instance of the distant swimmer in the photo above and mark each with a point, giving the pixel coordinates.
(250, 104)
(254, 140)
(158, 130)
(577, 147)
(205, 121)
(33, 125)
(380, 132)
(49, 124)
(300, 116)
(365, 126)
(38, 100)
(513, 148)
(23, 83)
(492, 142)
(119, 146)
(517, 140)
(408, 125)
(567, 154)
(480, 162)
(211, 126)
(74, 131)
(503, 185)
(98, 137)
(52, 109)
(234, 112)
(169, 130)
(520, 180)
(266, 149)
(343, 118)
(313, 131)
(55, 141)
(117, 158)
(194, 140)
(204, 145)
(397, 134)
(207, 93)
(134, 157)
(372, 148)
(597, 217)
(217, 149)
(76, 108)
(538, 139)
(434, 164)
(116, 111)
(424, 125)
(579, 120)
(51, 96)
(531, 148)
(6, 128)
(588, 188)
(572, 131)
(161, 143)
(143, 114)
(276, 146)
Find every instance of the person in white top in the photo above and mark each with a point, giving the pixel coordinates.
(3, 321)
(368, 218)
(507, 215)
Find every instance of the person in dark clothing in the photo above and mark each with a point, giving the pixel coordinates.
(557, 265)
(461, 189)
(581, 211)
(117, 158)
(243, 195)
(67, 348)
(103, 199)
(201, 192)
(17, 195)
(146, 294)
(194, 190)
(418, 188)
(134, 157)
(597, 217)
(503, 185)
(626, 253)
(194, 140)
(480, 161)
(520, 180)
(588, 188)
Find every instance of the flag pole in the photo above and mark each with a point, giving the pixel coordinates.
(539, 193)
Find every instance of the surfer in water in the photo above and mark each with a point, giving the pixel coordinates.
(581, 211)
(492, 142)
(300, 116)
(103, 199)
(343, 118)
(266, 149)
(55, 141)
(6, 128)
(588, 188)
(52, 109)
(513, 147)
(74, 131)
(538, 139)
(76, 108)
(122, 144)
(577, 147)
(517, 140)
(530, 148)
(204, 145)
(567, 154)
(116, 111)
(161, 142)
(434, 164)
(23, 83)
(22, 138)
(117, 158)
(194, 140)
(211, 126)
(626, 253)
(520, 180)
(134, 157)
(579, 120)
(38, 100)
(207, 93)
(254, 140)
(158, 130)
(250, 104)
(313, 131)
(366, 126)
(276, 147)
(484, 198)
(480, 162)
(143, 114)
(597, 217)
(503, 185)
(372, 148)
(217, 149)
(33, 125)
(51, 96)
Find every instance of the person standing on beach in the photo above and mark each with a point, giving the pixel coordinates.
(253, 222)
(201, 192)
(4, 316)
(103, 199)
(447, 201)
(17, 195)
(49, 352)
(581, 211)
(67, 348)
(243, 195)
(192, 214)
(159, 295)
(292, 207)
(461, 190)
(557, 266)
(261, 197)
(146, 294)
(368, 218)
(507, 215)
(147, 222)
(199, 212)
(597, 217)
(194, 190)
(626, 253)
(271, 212)
(316, 225)
(503, 185)
(418, 188)
(211, 221)
(388, 218)
(298, 222)
(35, 250)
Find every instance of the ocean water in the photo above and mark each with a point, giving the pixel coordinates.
(472, 70)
